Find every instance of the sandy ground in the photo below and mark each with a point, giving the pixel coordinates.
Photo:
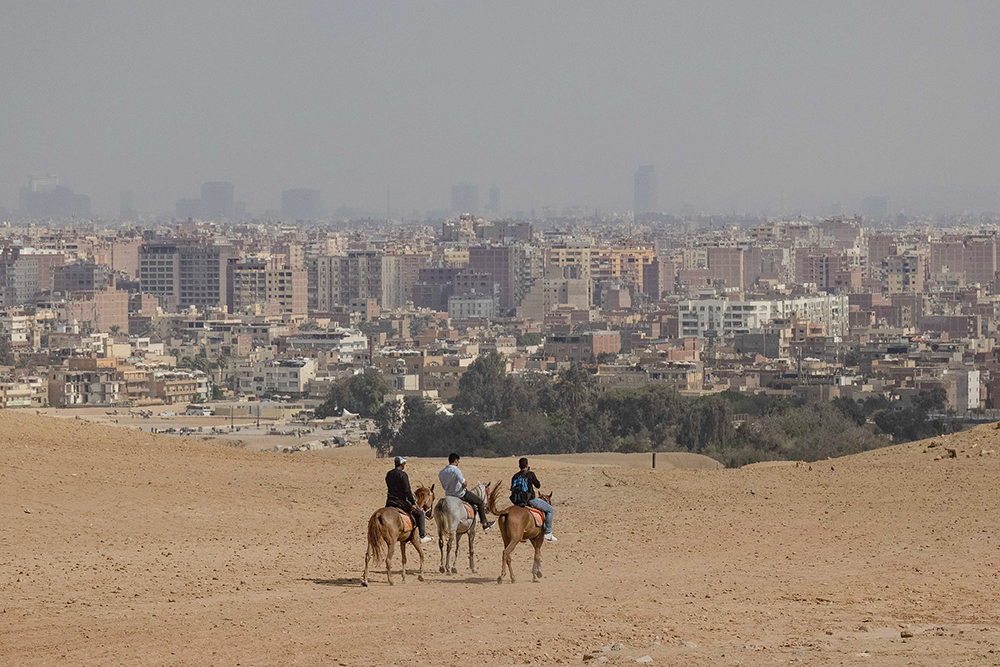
(185, 552)
(241, 431)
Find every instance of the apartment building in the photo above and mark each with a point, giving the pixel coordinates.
(724, 318)
(185, 274)
(359, 274)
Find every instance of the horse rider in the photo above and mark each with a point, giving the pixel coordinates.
(400, 496)
(523, 493)
(454, 484)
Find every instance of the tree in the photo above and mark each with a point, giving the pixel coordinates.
(6, 354)
(388, 420)
(484, 388)
(575, 390)
(524, 340)
(606, 357)
(114, 329)
(363, 393)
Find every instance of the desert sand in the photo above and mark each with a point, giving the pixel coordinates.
(124, 548)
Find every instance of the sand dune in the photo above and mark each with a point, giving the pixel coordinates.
(115, 551)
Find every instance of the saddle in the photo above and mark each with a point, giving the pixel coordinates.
(537, 515)
(470, 511)
(407, 519)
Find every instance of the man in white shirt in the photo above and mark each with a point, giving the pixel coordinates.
(453, 482)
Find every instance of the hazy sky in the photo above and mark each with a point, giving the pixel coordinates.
(737, 104)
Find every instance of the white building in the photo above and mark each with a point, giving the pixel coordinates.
(723, 317)
(967, 389)
(282, 376)
(346, 342)
(472, 305)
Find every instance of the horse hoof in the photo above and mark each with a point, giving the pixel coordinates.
(454, 570)
(441, 569)
(499, 580)
(420, 577)
(365, 584)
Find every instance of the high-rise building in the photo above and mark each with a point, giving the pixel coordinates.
(43, 197)
(494, 201)
(26, 272)
(127, 209)
(185, 274)
(644, 193)
(217, 199)
(360, 274)
(81, 277)
(903, 274)
(504, 264)
(725, 266)
(465, 198)
(301, 204)
(980, 260)
(257, 282)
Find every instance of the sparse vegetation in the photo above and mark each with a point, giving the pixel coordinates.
(363, 393)
(534, 414)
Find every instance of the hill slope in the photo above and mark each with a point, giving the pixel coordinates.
(189, 552)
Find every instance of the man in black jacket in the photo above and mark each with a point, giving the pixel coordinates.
(399, 495)
(532, 483)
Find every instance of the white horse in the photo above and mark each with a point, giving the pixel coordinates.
(453, 520)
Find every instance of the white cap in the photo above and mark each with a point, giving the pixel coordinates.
(400, 460)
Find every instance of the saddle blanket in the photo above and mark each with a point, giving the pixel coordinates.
(537, 515)
(468, 510)
(407, 519)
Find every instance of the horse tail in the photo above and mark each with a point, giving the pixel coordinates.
(491, 500)
(375, 534)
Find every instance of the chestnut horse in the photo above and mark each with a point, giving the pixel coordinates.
(517, 525)
(386, 525)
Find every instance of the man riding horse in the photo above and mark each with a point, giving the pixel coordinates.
(400, 496)
(454, 484)
(522, 493)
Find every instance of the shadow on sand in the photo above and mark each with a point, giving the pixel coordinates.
(435, 578)
(340, 581)
(458, 579)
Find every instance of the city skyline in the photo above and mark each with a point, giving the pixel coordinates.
(744, 109)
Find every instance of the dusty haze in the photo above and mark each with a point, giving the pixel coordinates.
(739, 106)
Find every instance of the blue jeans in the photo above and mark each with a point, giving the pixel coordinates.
(547, 510)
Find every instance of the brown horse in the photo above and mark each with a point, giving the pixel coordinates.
(386, 525)
(517, 525)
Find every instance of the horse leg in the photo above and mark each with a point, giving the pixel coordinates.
(536, 567)
(364, 576)
(441, 547)
(507, 560)
(420, 552)
(389, 550)
(458, 543)
(502, 523)
(472, 552)
(402, 553)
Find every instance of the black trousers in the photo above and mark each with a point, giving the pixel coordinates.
(419, 519)
(476, 502)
